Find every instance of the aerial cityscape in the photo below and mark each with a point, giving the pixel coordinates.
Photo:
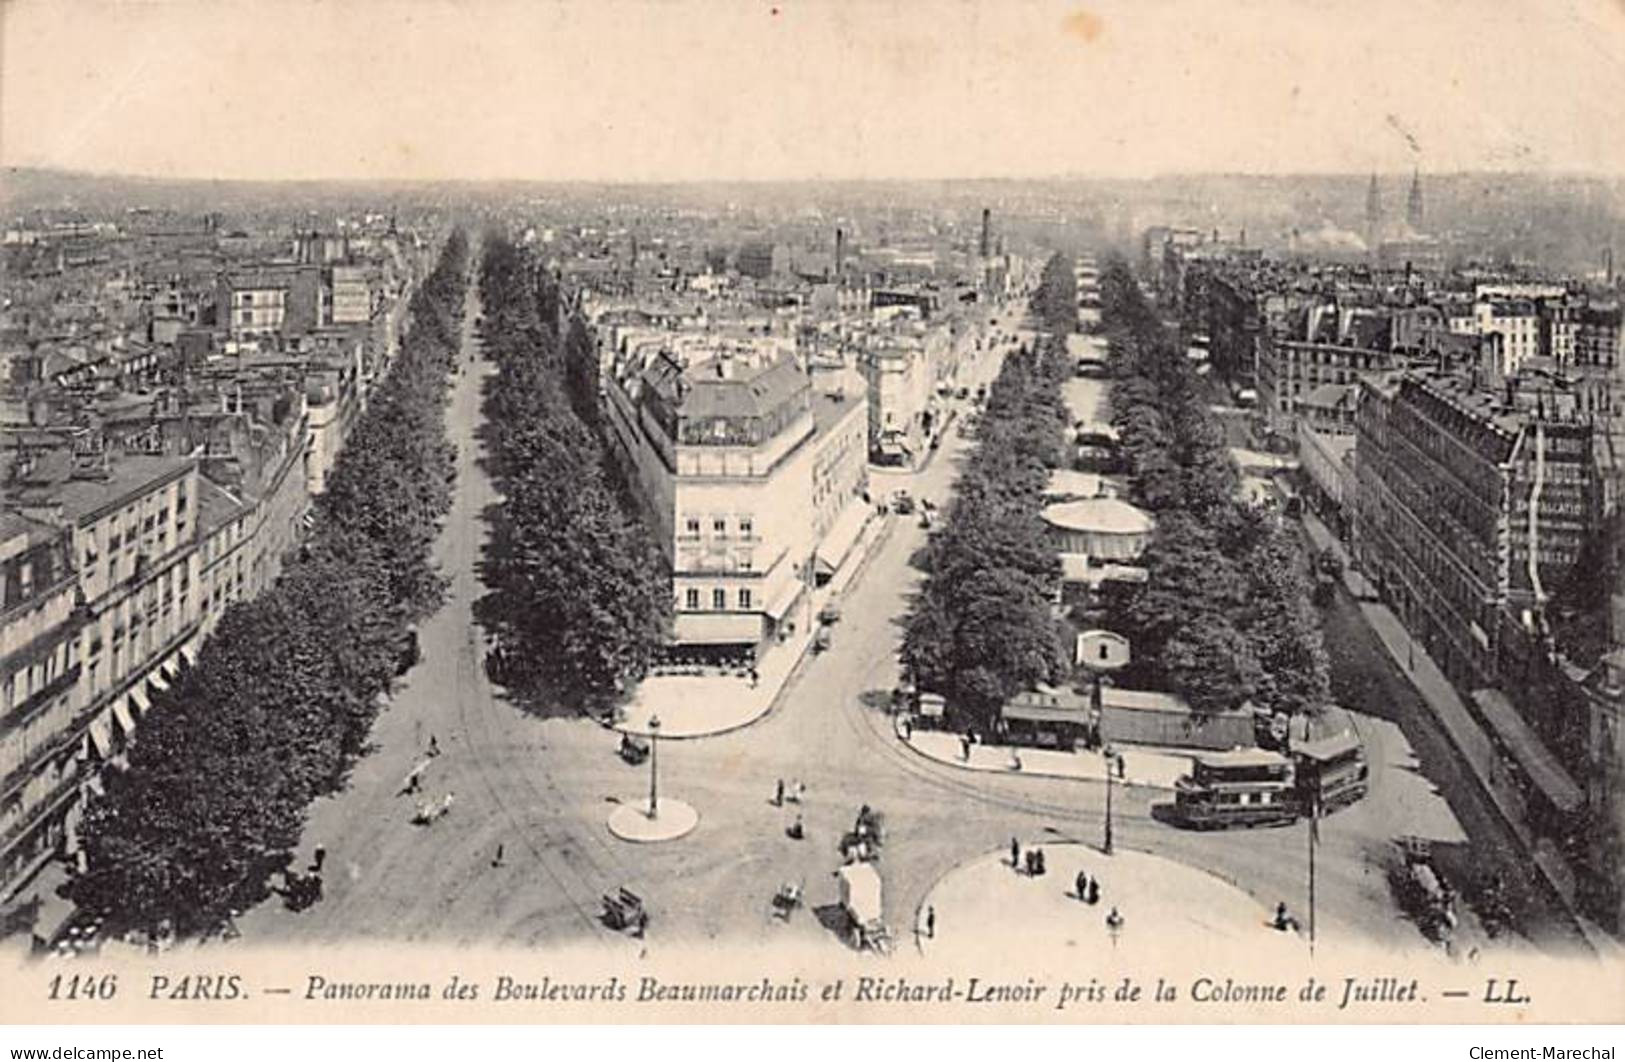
(813, 563)
(591, 561)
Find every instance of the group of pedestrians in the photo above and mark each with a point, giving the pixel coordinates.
(1031, 860)
(1088, 889)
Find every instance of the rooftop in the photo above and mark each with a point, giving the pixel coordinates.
(1104, 515)
(714, 389)
(128, 475)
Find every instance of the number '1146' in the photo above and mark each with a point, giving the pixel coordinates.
(84, 986)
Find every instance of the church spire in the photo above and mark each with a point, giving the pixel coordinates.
(1413, 206)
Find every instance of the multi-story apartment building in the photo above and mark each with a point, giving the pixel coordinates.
(1290, 371)
(39, 674)
(269, 301)
(124, 616)
(352, 295)
(749, 478)
(898, 373)
(1470, 505)
(1517, 322)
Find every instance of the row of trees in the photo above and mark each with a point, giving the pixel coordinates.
(580, 597)
(1225, 616)
(979, 630)
(212, 799)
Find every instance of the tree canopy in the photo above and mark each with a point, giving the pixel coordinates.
(211, 800)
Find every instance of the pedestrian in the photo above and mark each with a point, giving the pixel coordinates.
(1015, 854)
(906, 727)
(1015, 760)
(1081, 886)
(1114, 921)
(320, 858)
(434, 745)
(778, 794)
(1027, 861)
(755, 677)
(1094, 891)
(797, 830)
(964, 749)
(801, 790)
(931, 923)
(497, 862)
(1281, 916)
(1038, 862)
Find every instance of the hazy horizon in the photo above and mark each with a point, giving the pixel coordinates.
(756, 92)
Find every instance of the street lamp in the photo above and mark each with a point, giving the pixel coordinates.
(654, 766)
(1102, 652)
(1107, 753)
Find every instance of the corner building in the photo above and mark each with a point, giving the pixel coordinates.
(754, 485)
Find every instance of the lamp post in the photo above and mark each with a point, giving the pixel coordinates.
(654, 766)
(1102, 652)
(1110, 770)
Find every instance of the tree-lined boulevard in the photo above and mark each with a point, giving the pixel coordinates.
(523, 856)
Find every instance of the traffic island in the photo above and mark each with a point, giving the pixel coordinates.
(989, 906)
(1154, 768)
(673, 818)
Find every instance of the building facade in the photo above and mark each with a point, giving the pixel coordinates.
(745, 474)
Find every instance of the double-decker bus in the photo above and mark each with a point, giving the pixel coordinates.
(1244, 787)
(1332, 772)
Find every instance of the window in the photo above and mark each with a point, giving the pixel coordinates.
(719, 525)
(693, 525)
(719, 599)
(691, 599)
(744, 598)
(746, 526)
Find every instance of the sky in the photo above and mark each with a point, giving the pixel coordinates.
(727, 90)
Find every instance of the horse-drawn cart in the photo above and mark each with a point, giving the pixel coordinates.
(623, 910)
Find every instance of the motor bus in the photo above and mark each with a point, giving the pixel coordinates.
(1243, 787)
(1331, 772)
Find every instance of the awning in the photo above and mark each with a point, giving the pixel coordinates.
(932, 705)
(842, 534)
(1045, 713)
(1526, 747)
(157, 680)
(101, 734)
(780, 605)
(189, 653)
(122, 715)
(140, 701)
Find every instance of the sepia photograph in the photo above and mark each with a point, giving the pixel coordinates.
(812, 512)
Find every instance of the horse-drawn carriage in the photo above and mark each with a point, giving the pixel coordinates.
(623, 910)
(634, 749)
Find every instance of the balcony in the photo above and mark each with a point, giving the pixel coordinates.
(67, 787)
(22, 714)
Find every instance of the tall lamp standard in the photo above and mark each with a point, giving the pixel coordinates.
(654, 766)
(1102, 652)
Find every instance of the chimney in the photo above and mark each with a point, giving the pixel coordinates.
(987, 232)
(840, 250)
